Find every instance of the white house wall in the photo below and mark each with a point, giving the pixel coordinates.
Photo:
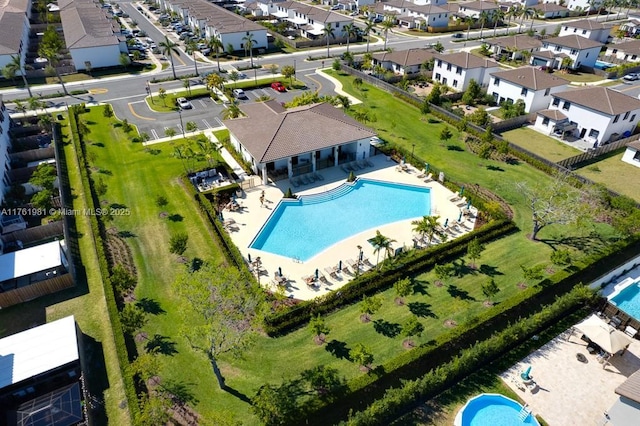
(581, 4)
(584, 57)
(599, 35)
(628, 157)
(480, 75)
(533, 100)
(235, 39)
(622, 55)
(102, 56)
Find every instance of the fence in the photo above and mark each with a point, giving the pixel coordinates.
(37, 233)
(594, 153)
(33, 155)
(513, 123)
(33, 291)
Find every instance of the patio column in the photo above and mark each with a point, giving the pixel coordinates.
(335, 156)
(290, 168)
(313, 161)
(265, 179)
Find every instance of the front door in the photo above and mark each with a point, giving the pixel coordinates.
(582, 133)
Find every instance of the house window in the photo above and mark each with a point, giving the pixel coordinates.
(458, 70)
(634, 57)
(637, 156)
(555, 102)
(574, 51)
(566, 106)
(524, 91)
(545, 121)
(626, 115)
(496, 81)
(616, 118)
(439, 63)
(558, 48)
(593, 133)
(455, 83)
(448, 67)
(587, 55)
(545, 45)
(614, 51)
(566, 28)
(633, 117)
(444, 81)
(438, 76)
(546, 92)
(575, 29)
(495, 96)
(584, 31)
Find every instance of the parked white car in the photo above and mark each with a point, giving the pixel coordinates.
(183, 103)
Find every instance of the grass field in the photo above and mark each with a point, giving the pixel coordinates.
(610, 171)
(544, 146)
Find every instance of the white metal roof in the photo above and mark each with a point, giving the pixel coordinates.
(38, 350)
(29, 261)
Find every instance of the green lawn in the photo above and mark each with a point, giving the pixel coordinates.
(614, 174)
(580, 77)
(539, 144)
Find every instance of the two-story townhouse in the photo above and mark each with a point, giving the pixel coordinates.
(533, 86)
(579, 50)
(403, 62)
(5, 147)
(584, 5)
(475, 8)
(587, 28)
(626, 51)
(411, 15)
(597, 114)
(511, 47)
(632, 27)
(14, 30)
(551, 10)
(512, 3)
(310, 21)
(456, 70)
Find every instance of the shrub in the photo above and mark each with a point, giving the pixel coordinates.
(178, 243)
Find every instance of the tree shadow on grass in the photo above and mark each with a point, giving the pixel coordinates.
(495, 168)
(117, 206)
(181, 391)
(126, 234)
(591, 243)
(150, 306)
(457, 293)
(98, 144)
(488, 270)
(153, 151)
(455, 148)
(176, 217)
(386, 328)
(161, 344)
(460, 269)
(338, 349)
(421, 309)
(420, 287)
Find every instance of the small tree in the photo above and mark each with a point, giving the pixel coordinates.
(369, 306)
(126, 126)
(288, 71)
(178, 243)
(472, 93)
(357, 83)
(43, 176)
(132, 318)
(100, 187)
(561, 257)
(336, 65)
(490, 289)
(411, 327)
(443, 272)
(274, 405)
(162, 93)
(107, 112)
(121, 280)
(351, 177)
(361, 355)
(319, 328)
(474, 250)
(191, 126)
(403, 288)
(480, 117)
(169, 132)
(288, 194)
(445, 134)
(532, 274)
(434, 97)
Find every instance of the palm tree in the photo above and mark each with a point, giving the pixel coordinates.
(216, 45)
(51, 48)
(483, 19)
(349, 31)
(497, 16)
(249, 41)
(469, 21)
(534, 13)
(380, 242)
(12, 68)
(232, 111)
(328, 31)
(387, 24)
(168, 48)
(595, 5)
(191, 49)
(428, 227)
(367, 30)
(215, 81)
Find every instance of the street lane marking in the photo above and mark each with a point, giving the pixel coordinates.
(309, 76)
(206, 123)
(154, 134)
(138, 115)
(98, 91)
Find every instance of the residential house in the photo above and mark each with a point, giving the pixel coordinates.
(533, 86)
(632, 156)
(92, 38)
(475, 8)
(600, 114)
(584, 5)
(411, 15)
(512, 47)
(403, 62)
(626, 51)
(456, 70)
(14, 30)
(41, 376)
(551, 10)
(277, 141)
(587, 28)
(511, 3)
(581, 51)
(309, 21)
(5, 147)
(632, 27)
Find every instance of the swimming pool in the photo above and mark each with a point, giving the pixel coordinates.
(628, 299)
(601, 65)
(490, 409)
(302, 228)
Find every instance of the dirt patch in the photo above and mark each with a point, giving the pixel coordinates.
(163, 215)
(182, 259)
(408, 344)
(365, 318)
(319, 340)
(450, 323)
(550, 271)
(399, 301)
(487, 303)
(438, 283)
(522, 285)
(141, 337)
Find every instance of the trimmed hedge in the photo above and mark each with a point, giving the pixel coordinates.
(97, 232)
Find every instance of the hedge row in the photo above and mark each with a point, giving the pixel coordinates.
(396, 400)
(98, 238)
(413, 262)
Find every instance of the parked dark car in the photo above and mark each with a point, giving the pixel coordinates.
(457, 35)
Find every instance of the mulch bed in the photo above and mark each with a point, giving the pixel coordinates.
(365, 318)
(319, 340)
(163, 215)
(399, 301)
(487, 303)
(408, 344)
(438, 283)
(450, 323)
(522, 285)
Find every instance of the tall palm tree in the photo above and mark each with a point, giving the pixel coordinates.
(469, 20)
(328, 31)
(51, 48)
(534, 13)
(14, 67)
(483, 19)
(216, 45)
(168, 48)
(249, 41)
(215, 81)
(191, 49)
(497, 16)
(428, 227)
(387, 24)
(349, 31)
(594, 5)
(367, 30)
(380, 242)
(232, 111)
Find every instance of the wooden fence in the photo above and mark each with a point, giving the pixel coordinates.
(513, 123)
(594, 153)
(33, 155)
(37, 233)
(611, 310)
(35, 290)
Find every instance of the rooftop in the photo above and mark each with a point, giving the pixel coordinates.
(479, 5)
(531, 78)
(588, 24)
(30, 260)
(553, 114)
(630, 388)
(632, 46)
(12, 22)
(407, 57)
(573, 41)
(223, 20)
(549, 7)
(466, 60)
(601, 99)
(518, 42)
(86, 24)
(424, 9)
(38, 350)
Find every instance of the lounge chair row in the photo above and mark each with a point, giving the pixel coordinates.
(307, 179)
(355, 166)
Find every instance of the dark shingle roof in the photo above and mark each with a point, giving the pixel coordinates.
(518, 42)
(601, 99)
(479, 5)
(632, 47)
(270, 134)
(530, 78)
(11, 27)
(574, 42)
(553, 114)
(466, 60)
(407, 57)
(549, 7)
(587, 24)
(86, 24)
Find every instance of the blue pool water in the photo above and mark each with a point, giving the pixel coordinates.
(303, 228)
(601, 65)
(494, 410)
(629, 300)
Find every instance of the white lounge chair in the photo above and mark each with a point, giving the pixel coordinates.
(429, 178)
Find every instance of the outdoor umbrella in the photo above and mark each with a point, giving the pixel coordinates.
(279, 271)
(361, 255)
(426, 167)
(249, 257)
(221, 217)
(461, 190)
(446, 222)
(603, 335)
(340, 266)
(526, 374)
(317, 273)
(460, 216)
(469, 204)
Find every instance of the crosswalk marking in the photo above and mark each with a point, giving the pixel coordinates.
(154, 134)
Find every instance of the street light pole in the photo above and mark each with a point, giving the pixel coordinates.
(294, 69)
(181, 123)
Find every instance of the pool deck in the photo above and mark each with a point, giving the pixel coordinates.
(572, 392)
(621, 282)
(251, 217)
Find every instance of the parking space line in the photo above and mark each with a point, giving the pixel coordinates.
(265, 92)
(206, 123)
(219, 121)
(203, 103)
(154, 134)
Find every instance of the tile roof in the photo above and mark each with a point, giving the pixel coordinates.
(270, 134)
(11, 27)
(550, 7)
(601, 99)
(518, 42)
(530, 78)
(587, 24)
(479, 5)
(223, 20)
(407, 57)
(86, 24)
(553, 114)
(466, 60)
(632, 46)
(574, 42)
(630, 388)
